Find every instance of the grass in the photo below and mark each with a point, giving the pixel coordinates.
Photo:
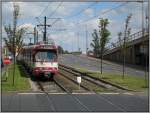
(21, 81)
(129, 81)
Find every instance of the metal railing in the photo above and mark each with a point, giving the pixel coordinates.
(132, 37)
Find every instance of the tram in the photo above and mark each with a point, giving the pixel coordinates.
(40, 59)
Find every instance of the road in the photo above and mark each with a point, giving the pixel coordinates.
(74, 102)
(60, 102)
(83, 62)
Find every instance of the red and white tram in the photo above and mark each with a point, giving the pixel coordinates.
(40, 59)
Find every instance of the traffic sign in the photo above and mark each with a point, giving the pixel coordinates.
(79, 79)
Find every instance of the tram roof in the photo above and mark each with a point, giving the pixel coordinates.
(41, 46)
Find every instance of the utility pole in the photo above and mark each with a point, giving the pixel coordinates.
(45, 30)
(78, 49)
(37, 36)
(144, 43)
(86, 39)
(30, 40)
(34, 33)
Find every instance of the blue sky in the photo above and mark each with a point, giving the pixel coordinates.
(72, 13)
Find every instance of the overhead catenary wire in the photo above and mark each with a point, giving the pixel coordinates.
(55, 9)
(92, 4)
(37, 18)
(45, 9)
(107, 11)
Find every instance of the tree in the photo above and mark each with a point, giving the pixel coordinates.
(120, 40)
(127, 32)
(113, 45)
(95, 44)
(66, 52)
(18, 40)
(123, 40)
(14, 40)
(60, 50)
(104, 37)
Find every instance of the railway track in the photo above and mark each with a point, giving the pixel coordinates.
(65, 89)
(69, 84)
(91, 80)
(60, 84)
(50, 87)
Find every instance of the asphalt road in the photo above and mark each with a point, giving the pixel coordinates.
(76, 102)
(94, 65)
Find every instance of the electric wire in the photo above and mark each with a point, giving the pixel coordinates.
(82, 10)
(55, 9)
(107, 11)
(45, 9)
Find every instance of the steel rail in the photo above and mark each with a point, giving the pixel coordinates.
(61, 86)
(68, 92)
(94, 78)
(105, 99)
(74, 81)
(85, 78)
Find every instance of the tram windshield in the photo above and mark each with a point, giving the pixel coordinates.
(45, 56)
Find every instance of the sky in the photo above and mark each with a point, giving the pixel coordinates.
(75, 19)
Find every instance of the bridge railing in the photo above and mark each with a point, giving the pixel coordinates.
(131, 38)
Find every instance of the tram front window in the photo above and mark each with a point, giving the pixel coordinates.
(45, 56)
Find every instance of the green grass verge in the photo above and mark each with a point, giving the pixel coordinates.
(21, 81)
(129, 81)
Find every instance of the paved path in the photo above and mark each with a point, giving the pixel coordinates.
(94, 65)
(76, 102)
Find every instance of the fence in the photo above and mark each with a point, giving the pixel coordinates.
(131, 38)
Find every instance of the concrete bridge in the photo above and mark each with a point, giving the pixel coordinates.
(137, 51)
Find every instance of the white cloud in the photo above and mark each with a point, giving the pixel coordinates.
(68, 38)
(89, 12)
(29, 26)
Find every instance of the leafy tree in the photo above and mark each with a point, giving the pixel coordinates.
(127, 32)
(95, 44)
(66, 52)
(113, 44)
(14, 40)
(123, 40)
(120, 39)
(60, 50)
(16, 47)
(104, 36)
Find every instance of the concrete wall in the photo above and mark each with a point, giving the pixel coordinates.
(136, 53)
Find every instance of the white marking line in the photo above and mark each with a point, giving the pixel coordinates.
(38, 93)
(127, 93)
(29, 93)
(110, 93)
(83, 93)
(57, 93)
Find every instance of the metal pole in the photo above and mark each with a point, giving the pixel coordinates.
(86, 39)
(30, 40)
(143, 35)
(44, 39)
(34, 35)
(78, 41)
(37, 36)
